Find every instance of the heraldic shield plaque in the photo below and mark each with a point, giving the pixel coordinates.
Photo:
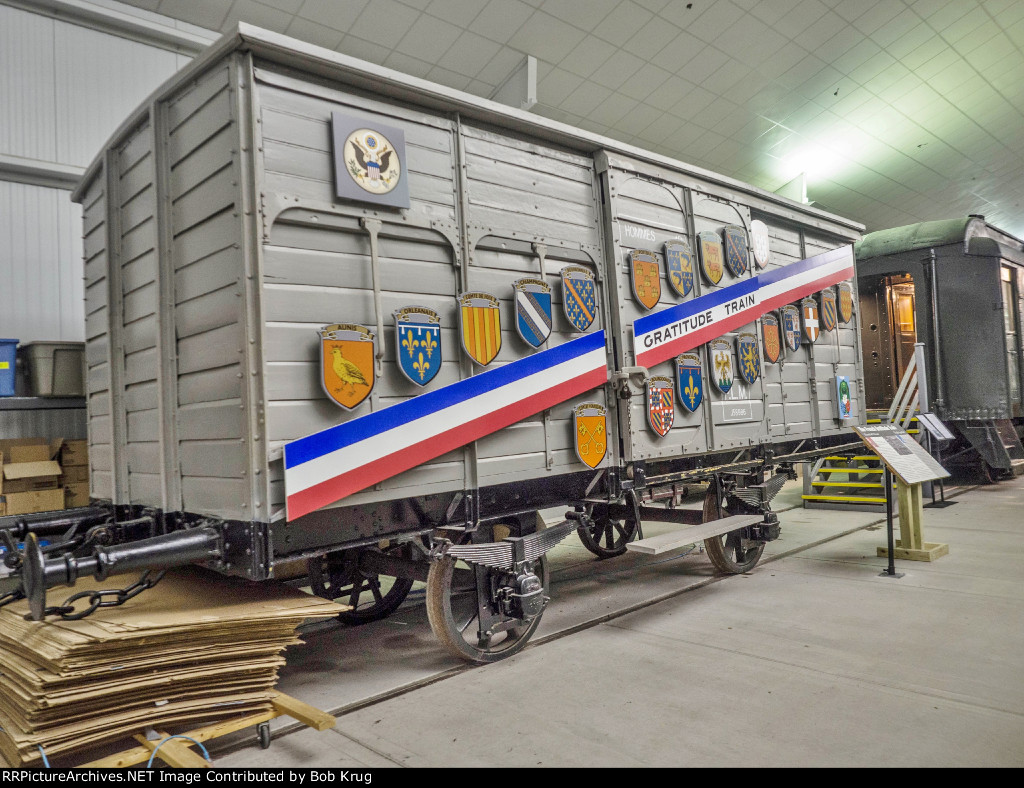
(661, 410)
(845, 302)
(770, 336)
(736, 249)
(791, 327)
(689, 381)
(590, 424)
(645, 274)
(712, 265)
(679, 262)
(828, 309)
(579, 296)
(760, 240)
(480, 319)
(533, 311)
(346, 363)
(418, 343)
(720, 360)
(748, 357)
(809, 315)
(369, 161)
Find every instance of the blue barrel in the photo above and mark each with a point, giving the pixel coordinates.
(8, 353)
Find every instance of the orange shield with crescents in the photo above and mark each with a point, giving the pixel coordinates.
(591, 438)
(346, 370)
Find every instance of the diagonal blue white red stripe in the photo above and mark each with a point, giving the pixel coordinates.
(662, 335)
(329, 465)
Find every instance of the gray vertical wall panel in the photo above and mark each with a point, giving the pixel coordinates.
(63, 90)
(99, 80)
(41, 257)
(29, 114)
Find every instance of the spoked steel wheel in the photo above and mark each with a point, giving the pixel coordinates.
(372, 596)
(608, 536)
(454, 611)
(729, 553)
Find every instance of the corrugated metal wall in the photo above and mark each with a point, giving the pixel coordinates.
(63, 91)
(40, 264)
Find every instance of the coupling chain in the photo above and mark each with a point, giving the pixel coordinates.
(11, 596)
(107, 598)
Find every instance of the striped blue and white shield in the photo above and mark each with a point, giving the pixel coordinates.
(533, 310)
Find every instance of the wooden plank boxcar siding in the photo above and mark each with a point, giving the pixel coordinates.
(203, 176)
(650, 207)
(216, 246)
(97, 339)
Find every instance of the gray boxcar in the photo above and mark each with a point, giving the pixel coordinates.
(957, 287)
(233, 268)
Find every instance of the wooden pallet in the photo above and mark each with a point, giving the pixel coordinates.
(179, 752)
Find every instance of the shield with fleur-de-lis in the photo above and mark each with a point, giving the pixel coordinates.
(748, 359)
(579, 296)
(661, 411)
(646, 277)
(735, 244)
(418, 343)
(590, 424)
(720, 360)
(689, 381)
(679, 262)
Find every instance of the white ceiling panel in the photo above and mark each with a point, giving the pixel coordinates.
(880, 101)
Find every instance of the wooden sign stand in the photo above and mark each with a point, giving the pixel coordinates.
(911, 545)
(905, 459)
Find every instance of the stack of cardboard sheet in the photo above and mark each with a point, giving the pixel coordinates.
(198, 647)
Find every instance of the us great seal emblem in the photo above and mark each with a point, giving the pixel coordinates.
(372, 162)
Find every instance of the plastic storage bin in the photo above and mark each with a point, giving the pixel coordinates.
(8, 355)
(56, 369)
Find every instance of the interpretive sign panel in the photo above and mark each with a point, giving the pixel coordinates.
(901, 454)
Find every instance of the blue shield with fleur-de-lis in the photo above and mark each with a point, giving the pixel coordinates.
(579, 296)
(689, 381)
(679, 262)
(418, 337)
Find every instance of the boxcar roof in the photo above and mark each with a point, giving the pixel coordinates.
(924, 235)
(314, 60)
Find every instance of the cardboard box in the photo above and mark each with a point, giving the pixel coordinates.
(73, 453)
(19, 477)
(75, 474)
(37, 501)
(76, 495)
(33, 452)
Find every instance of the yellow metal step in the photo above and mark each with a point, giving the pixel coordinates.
(848, 484)
(851, 470)
(860, 458)
(843, 498)
(879, 421)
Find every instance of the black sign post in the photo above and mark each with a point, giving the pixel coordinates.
(890, 571)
